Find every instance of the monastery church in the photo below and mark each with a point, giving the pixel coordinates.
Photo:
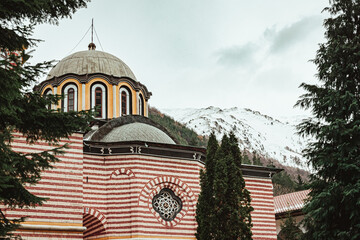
(127, 178)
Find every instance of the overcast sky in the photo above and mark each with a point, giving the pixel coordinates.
(198, 53)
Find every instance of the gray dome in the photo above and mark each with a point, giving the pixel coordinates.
(91, 61)
(137, 132)
(131, 128)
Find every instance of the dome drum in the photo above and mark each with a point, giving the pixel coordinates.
(98, 80)
(83, 79)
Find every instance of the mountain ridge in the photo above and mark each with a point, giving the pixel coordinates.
(267, 136)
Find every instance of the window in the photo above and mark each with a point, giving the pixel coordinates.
(70, 98)
(141, 105)
(98, 100)
(48, 92)
(125, 101)
(167, 204)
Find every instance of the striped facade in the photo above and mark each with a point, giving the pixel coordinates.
(97, 196)
(61, 216)
(262, 200)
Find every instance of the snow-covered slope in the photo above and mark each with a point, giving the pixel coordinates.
(267, 136)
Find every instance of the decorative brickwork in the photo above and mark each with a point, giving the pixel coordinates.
(97, 214)
(122, 171)
(94, 221)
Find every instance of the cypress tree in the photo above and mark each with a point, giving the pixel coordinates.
(229, 205)
(333, 209)
(222, 209)
(240, 219)
(25, 111)
(204, 210)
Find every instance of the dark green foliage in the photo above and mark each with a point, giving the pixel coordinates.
(283, 183)
(24, 111)
(256, 159)
(289, 229)
(205, 204)
(222, 210)
(333, 211)
(300, 184)
(246, 159)
(238, 196)
(228, 202)
(182, 134)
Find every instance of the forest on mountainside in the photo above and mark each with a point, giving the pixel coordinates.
(287, 181)
(182, 134)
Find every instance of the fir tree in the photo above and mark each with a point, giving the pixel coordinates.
(246, 159)
(256, 159)
(25, 111)
(289, 229)
(333, 209)
(300, 184)
(205, 204)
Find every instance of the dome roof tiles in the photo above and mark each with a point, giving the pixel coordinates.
(130, 128)
(91, 61)
(137, 132)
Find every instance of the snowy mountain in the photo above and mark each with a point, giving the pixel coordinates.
(269, 137)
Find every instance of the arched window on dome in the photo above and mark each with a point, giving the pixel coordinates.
(70, 98)
(48, 92)
(141, 105)
(125, 101)
(98, 100)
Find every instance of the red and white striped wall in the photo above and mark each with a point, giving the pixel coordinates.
(262, 200)
(110, 197)
(122, 188)
(61, 216)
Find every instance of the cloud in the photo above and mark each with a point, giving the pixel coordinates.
(237, 55)
(291, 35)
(274, 41)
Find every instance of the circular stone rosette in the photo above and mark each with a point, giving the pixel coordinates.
(172, 198)
(167, 204)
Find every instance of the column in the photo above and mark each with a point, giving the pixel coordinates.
(83, 96)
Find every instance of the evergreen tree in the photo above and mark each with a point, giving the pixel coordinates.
(300, 184)
(333, 209)
(240, 219)
(256, 159)
(289, 229)
(284, 181)
(229, 206)
(25, 111)
(246, 159)
(205, 204)
(222, 210)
